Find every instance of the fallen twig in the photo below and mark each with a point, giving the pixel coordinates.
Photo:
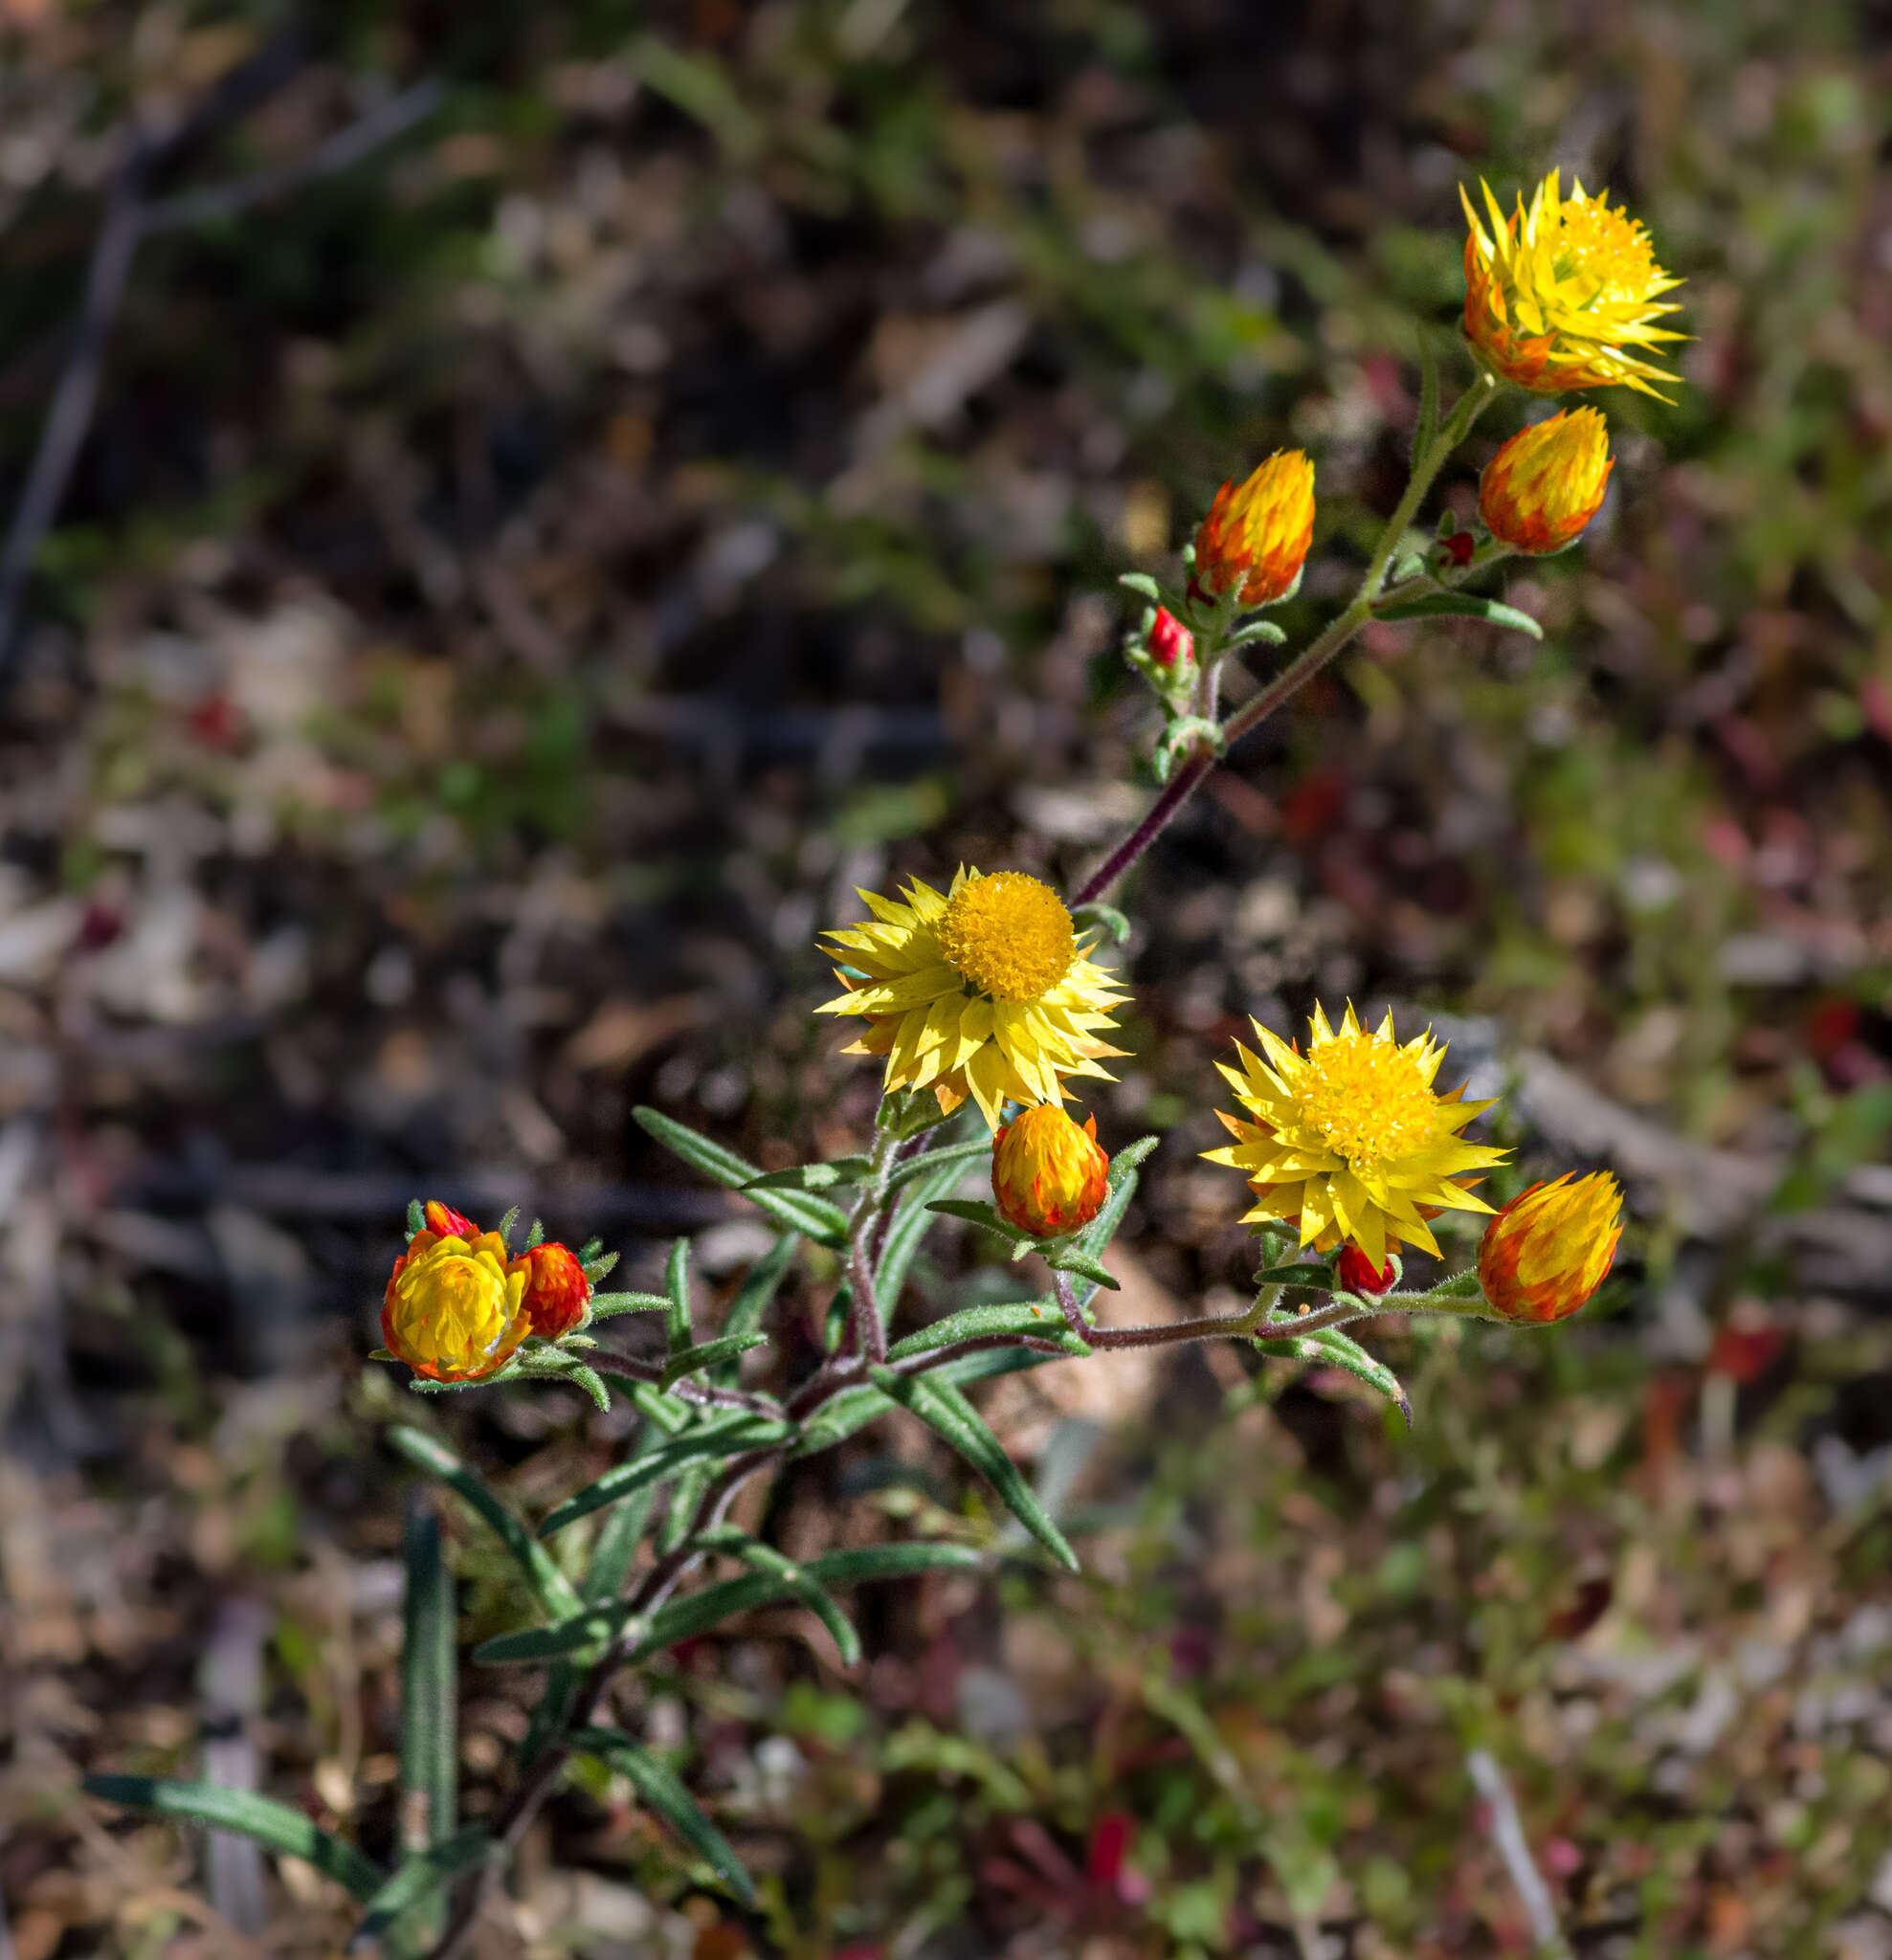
(1508, 1832)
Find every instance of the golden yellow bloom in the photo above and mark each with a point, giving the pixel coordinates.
(1349, 1141)
(1540, 490)
(1549, 1249)
(983, 991)
(1563, 295)
(1048, 1175)
(1255, 536)
(452, 1306)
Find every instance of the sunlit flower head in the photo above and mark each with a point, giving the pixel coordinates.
(1350, 1141)
(1565, 295)
(1549, 1249)
(1257, 533)
(1545, 484)
(983, 991)
(1049, 1176)
(557, 1291)
(452, 1306)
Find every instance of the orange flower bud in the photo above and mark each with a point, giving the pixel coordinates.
(1540, 490)
(1255, 536)
(557, 1291)
(444, 1222)
(1356, 1272)
(1548, 1250)
(452, 1306)
(1048, 1175)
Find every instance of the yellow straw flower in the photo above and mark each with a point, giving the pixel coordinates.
(1563, 296)
(452, 1306)
(1349, 1141)
(1540, 490)
(1256, 535)
(1549, 1249)
(1049, 1176)
(983, 991)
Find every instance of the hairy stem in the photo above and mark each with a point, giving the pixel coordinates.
(1189, 778)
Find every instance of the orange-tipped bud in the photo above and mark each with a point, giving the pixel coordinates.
(1172, 644)
(444, 1222)
(1048, 1175)
(1548, 1250)
(557, 1291)
(1540, 490)
(453, 1308)
(1257, 534)
(1356, 1272)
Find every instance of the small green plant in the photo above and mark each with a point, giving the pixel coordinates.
(985, 1003)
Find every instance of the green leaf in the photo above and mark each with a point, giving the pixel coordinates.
(1426, 432)
(945, 1410)
(838, 1418)
(708, 1354)
(658, 1786)
(677, 1284)
(977, 1212)
(912, 1222)
(1142, 582)
(802, 1585)
(553, 1589)
(615, 1550)
(1071, 1258)
(418, 1878)
(1332, 1349)
(986, 1362)
(958, 1156)
(536, 1237)
(506, 1224)
(604, 1305)
(416, 1216)
(868, 1562)
(1257, 630)
(273, 1825)
(685, 1500)
(662, 1412)
(753, 1297)
(814, 1177)
(729, 1437)
(1314, 1273)
(430, 1701)
(1108, 919)
(1040, 1318)
(814, 1217)
(1466, 605)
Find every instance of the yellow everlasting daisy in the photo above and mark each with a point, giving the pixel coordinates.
(1563, 296)
(1350, 1141)
(982, 991)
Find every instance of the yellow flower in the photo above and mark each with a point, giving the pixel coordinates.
(1549, 1249)
(982, 991)
(1349, 1141)
(1048, 1175)
(1563, 295)
(1256, 535)
(1540, 490)
(452, 1306)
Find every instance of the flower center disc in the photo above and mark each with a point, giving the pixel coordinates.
(1008, 935)
(1368, 1100)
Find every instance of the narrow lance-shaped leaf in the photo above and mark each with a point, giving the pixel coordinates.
(708, 1439)
(960, 1156)
(604, 1305)
(840, 1170)
(1039, 1319)
(945, 1410)
(677, 1284)
(686, 1496)
(1465, 605)
(707, 1354)
(660, 1787)
(417, 1880)
(806, 1212)
(554, 1590)
(1329, 1345)
(430, 1700)
(273, 1825)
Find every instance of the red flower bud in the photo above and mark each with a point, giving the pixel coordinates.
(1172, 644)
(1358, 1274)
(557, 1291)
(444, 1222)
(1459, 547)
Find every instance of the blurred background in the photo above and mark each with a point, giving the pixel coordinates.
(515, 512)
